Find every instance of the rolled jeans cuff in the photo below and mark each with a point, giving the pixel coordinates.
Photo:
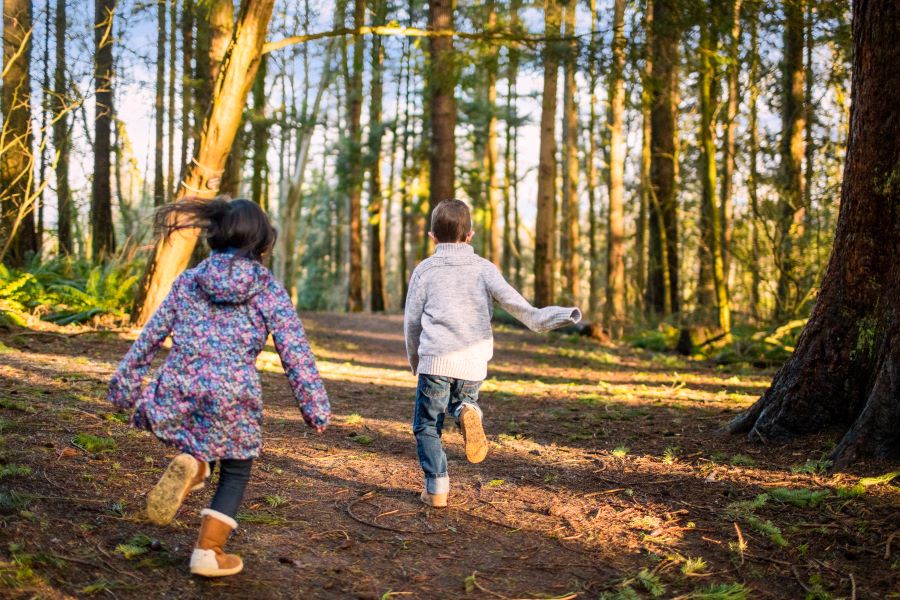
(437, 484)
(471, 405)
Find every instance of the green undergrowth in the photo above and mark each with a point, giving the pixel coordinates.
(67, 291)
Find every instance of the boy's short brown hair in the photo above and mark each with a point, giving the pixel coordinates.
(451, 221)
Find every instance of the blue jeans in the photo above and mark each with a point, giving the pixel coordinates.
(435, 396)
(233, 477)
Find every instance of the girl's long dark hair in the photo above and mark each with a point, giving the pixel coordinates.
(239, 224)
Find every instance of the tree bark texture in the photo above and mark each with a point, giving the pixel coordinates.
(61, 135)
(846, 369)
(354, 162)
(545, 227)
(571, 214)
(103, 239)
(376, 198)
(442, 86)
(614, 313)
(663, 291)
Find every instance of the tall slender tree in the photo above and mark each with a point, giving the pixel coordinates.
(728, 150)
(614, 315)
(61, 134)
(511, 256)
(545, 226)
(159, 180)
(376, 133)
(663, 291)
(592, 171)
(442, 104)
(187, 81)
(171, 184)
(571, 213)
(260, 133)
(102, 235)
(492, 206)
(18, 239)
(354, 160)
(791, 215)
(646, 189)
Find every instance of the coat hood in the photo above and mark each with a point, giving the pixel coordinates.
(228, 279)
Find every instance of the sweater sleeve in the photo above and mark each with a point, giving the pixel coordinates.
(125, 385)
(412, 321)
(296, 355)
(536, 319)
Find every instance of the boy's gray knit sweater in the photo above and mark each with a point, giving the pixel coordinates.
(448, 313)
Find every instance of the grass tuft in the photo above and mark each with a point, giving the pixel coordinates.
(801, 498)
(93, 443)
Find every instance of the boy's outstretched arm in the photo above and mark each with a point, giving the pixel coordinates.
(412, 322)
(296, 355)
(536, 319)
(125, 385)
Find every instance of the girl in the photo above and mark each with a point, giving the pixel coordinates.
(205, 399)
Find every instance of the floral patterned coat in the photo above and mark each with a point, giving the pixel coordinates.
(205, 399)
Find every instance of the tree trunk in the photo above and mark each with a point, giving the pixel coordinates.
(753, 175)
(102, 235)
(18, 239)
(712, 290)
(492, 205)
(646, 189)
(232, 87)
(260, 128)
(354, 162)
(376, 132)
(570, 205)
(510, 177)
(846, 368)
(614, 314)
(61, 135)
(187, 83)
(42, 142)
(407, 173)
(171, 184)
(545, 226)
(663, 291)
(791, 150)
(728, 167)
(159, 183)
(441, 87)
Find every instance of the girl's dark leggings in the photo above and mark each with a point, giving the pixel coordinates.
(233, 477)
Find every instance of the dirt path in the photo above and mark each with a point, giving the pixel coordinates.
(605, 473)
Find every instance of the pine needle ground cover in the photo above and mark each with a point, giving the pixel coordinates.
(606, 478)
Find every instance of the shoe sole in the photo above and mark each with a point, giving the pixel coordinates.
(218, 572)
(169, 493)
(473, 433)
(427, 499)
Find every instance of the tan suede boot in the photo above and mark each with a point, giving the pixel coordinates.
(473, 434)
(434, 500)
(183, 475)
(209, 558)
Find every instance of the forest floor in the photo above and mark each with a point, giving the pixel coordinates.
(606, 474)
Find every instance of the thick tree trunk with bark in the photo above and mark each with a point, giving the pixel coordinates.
(61, 135)
(614, 314)
(187, 82)
(571, 233)
(846, 368)
(18, 238)
(102, 235)
(545, 227)
(663, 291)
(236, 76)
(441, 87)
(260, 129)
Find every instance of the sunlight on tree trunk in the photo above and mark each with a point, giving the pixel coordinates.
(103, 240)
(614, 314)
(571, 214)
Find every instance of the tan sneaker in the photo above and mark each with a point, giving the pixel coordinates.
(434, 500)
(209, 558)
(183, 475)
(473, 434)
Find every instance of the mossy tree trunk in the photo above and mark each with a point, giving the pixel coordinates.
(846, 368)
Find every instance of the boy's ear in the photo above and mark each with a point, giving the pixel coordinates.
(469, 236)
(433, 239)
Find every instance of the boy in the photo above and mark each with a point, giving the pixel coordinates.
(449, 341)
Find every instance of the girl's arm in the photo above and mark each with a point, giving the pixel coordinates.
(296, 356)
(125, 385)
